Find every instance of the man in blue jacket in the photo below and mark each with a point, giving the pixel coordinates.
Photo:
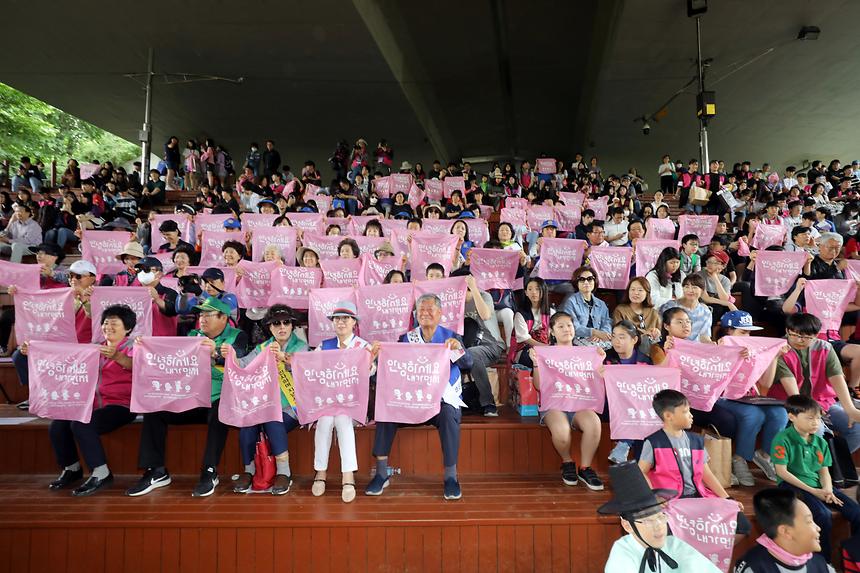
(429, 311)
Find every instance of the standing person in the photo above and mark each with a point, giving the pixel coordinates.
(429, 313)
(345, 319)
(271, 159)
(110, 410)
(666, 171)
(20, 234)
(172, 158)
(253, 159)
(280, 321)
(215, 332)
(193, 167)
(791, 540)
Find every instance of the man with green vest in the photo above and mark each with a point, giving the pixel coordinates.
(214, 314)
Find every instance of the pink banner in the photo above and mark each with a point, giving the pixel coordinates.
(743, 247)
(452, 293)
(517, 203)
(156, 239)
(560, 257)
(708, 525)
(486, 211)
(373, 272)
(479, 232)
(852, 272)
(369, 245)
(660, 229)
(537, 215)
(357, 223)
(382, 186)
(827, 300)
(516, 217)
(494, 268)
(292, 285)
(255, 286)
(331, 383)
(703, 226)
(255, 221)
(410, 381)
(385, 311)
(25, 277)
(45, 315)
(101, 248)
(416, 196)
(170, 374)
(341, 222)
(568, 378)
(250, 395)
(136, 298)
(321, 302)
(88, 170)
(545, 165)
(706, 370)
(629, 391)
(571, 199)
(568, 217)
(762, 352)
(323, 202)
(63, 379)
(167, 265)
(210, 222)
(600, 206)
(229, 275)
(390, 226)
(437, 226)
(647, 251)
(282, 237)
(451, 184)
(434, 189)
(324, 245)
(612, 265)
(341, 273)
(211, 243)
(768, 235)
(432, 248)
(306, 221)
(776, 271)
(401, 182)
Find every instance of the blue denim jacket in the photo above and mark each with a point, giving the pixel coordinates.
(576, 307)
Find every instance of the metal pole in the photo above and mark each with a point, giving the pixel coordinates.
(146, 134)
(703, 122)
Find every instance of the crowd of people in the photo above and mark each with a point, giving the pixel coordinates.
(700, 291)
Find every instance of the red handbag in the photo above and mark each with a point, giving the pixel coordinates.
(264, 465)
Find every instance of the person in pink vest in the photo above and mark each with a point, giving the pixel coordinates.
(673, 458)
(812, 368)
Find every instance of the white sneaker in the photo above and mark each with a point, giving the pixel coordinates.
(765, 465)
(734, 481)
(742, 471)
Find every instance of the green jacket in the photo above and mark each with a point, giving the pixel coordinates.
(235, 338)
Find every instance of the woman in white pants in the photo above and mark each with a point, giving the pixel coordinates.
(345, 318)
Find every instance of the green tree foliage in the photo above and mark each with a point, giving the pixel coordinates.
(31, 127)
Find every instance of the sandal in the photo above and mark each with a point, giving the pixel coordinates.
(348, 492)
(318, 487)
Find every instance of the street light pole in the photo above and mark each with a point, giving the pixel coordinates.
(703, 120)
(146, 133)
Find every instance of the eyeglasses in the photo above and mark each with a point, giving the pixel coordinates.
(341, 318)
(585, 279)
(805, 338)
(683, 322)
(75, 276)
(280, 323)
(654, 521)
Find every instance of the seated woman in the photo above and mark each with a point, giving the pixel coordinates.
(665, 277)
(718, 287)
(590, 314)
(345, 318)
(699, 313)
(560, 423)
(531, 323)
(636, 307)
(461, 230)
(625, 350)
(110, 412)
(753, 419)
(284, 342)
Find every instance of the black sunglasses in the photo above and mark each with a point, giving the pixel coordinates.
(585, 279)
(281, 323)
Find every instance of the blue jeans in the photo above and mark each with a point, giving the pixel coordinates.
(447, 421)
(34, 182)
(720, 417)
(276, 431)
(60, 236)
(839, 421)
(20, 362)
(750, 420)
(697, 209)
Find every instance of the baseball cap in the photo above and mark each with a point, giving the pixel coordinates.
(344, 308)
(168, 227)
(739, 319)
(549, 223)
(52, 249)
(267, 202)
(149, 263)
(232, 223)
(721, 256)
(213, 304)
(185, 208)
(83, 267)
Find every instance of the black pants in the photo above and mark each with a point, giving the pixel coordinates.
(7, 322)
(667, 185)
(153, 437)
(448, 423)
(483, 356)
(64, 434)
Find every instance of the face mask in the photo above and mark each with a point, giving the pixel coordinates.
(145, 278)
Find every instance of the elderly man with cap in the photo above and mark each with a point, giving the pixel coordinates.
(20, 234)
(215, 332)
(170, 230)
(647, 545)
(429, 312)
(281, 323)
(81, 277)
(345, 318)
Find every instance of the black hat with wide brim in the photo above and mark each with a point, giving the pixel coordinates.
(632, 493)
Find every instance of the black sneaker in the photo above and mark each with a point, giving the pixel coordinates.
(152, 479)
(207, 484)
(589, 477)
(568, 473)
(491, 411)
(67, 478)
